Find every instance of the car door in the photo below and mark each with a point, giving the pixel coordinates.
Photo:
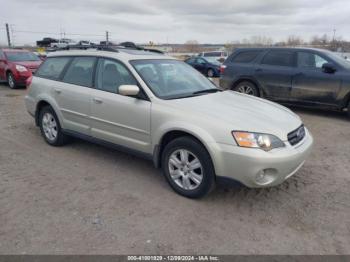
(72, 94)
(274, 73)
(122, 120)
(311, 83)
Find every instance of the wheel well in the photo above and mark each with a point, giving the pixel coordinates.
(247, 80)
(39, 106)
(7, 72)
(167, 138)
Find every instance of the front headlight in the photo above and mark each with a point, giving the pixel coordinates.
(21, 68)
(257, 140)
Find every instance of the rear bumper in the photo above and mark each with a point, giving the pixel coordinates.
(256, 168)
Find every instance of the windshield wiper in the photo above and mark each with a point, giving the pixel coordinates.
(212, 90)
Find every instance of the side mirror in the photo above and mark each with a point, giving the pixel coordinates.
(129, 90)
(328, 68)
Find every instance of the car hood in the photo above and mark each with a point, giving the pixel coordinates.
(242, 112)
(29, 64)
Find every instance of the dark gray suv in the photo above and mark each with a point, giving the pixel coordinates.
(304, 76)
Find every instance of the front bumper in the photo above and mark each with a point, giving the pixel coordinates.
(256, 168)
(21, 77)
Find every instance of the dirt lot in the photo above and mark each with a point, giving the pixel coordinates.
(86, 199)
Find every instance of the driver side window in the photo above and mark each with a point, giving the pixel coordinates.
(310, 60)
(111, 75)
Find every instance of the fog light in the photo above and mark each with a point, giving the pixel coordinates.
(260, 177)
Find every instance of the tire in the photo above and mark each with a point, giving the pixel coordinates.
(11, 81)
(349, 110)
(50, 127)
(197, 178)
(246, 87)
(210, 73)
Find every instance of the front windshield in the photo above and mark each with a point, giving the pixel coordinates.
(171, 79)
(339, 60)
(21, 56)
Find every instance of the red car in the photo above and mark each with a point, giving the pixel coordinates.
(17, 65)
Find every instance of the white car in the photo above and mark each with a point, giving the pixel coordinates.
(63, 43)
(164, 110)
(217, 55)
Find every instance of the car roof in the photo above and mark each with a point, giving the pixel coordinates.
(122, 54)
(280, 48)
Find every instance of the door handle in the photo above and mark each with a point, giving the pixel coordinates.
(258, 70)
(58, 91)
(97, 100)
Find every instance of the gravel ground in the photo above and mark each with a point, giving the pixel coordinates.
(86, 199)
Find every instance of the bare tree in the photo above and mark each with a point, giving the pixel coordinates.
(294, 40)
(261, 41)
(192, 46)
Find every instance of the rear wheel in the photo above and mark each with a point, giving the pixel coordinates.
(50, 127)
(11, 80)
(188, 168)
(247, 88)
(349, 109)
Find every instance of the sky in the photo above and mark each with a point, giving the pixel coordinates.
(173, 21)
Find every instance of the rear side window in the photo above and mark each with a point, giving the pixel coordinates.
(80, 71)
(278, 58)
(52, 67)
(200, 61)
(245, 57)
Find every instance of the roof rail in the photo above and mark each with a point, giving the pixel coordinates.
(110, 48)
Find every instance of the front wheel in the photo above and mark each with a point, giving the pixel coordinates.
(210, 73)
(188, 168)
(11, 81)
(247, 88)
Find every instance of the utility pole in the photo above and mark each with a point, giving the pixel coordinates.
(8, 35)
(107, 37)
(334, 30)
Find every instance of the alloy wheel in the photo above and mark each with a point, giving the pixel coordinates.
(11, 81)
(245, 89)
(185, 169)
(49, 126)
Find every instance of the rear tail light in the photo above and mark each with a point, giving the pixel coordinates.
(29, 81)
(222, 69)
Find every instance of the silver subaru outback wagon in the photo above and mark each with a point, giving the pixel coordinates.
(162, 109)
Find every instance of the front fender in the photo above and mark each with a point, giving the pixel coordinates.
(199, 133)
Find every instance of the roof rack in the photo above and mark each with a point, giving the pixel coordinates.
(110, 48)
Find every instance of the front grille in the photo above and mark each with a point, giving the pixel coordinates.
(296, 135)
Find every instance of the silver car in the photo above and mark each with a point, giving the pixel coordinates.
(164, 110)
